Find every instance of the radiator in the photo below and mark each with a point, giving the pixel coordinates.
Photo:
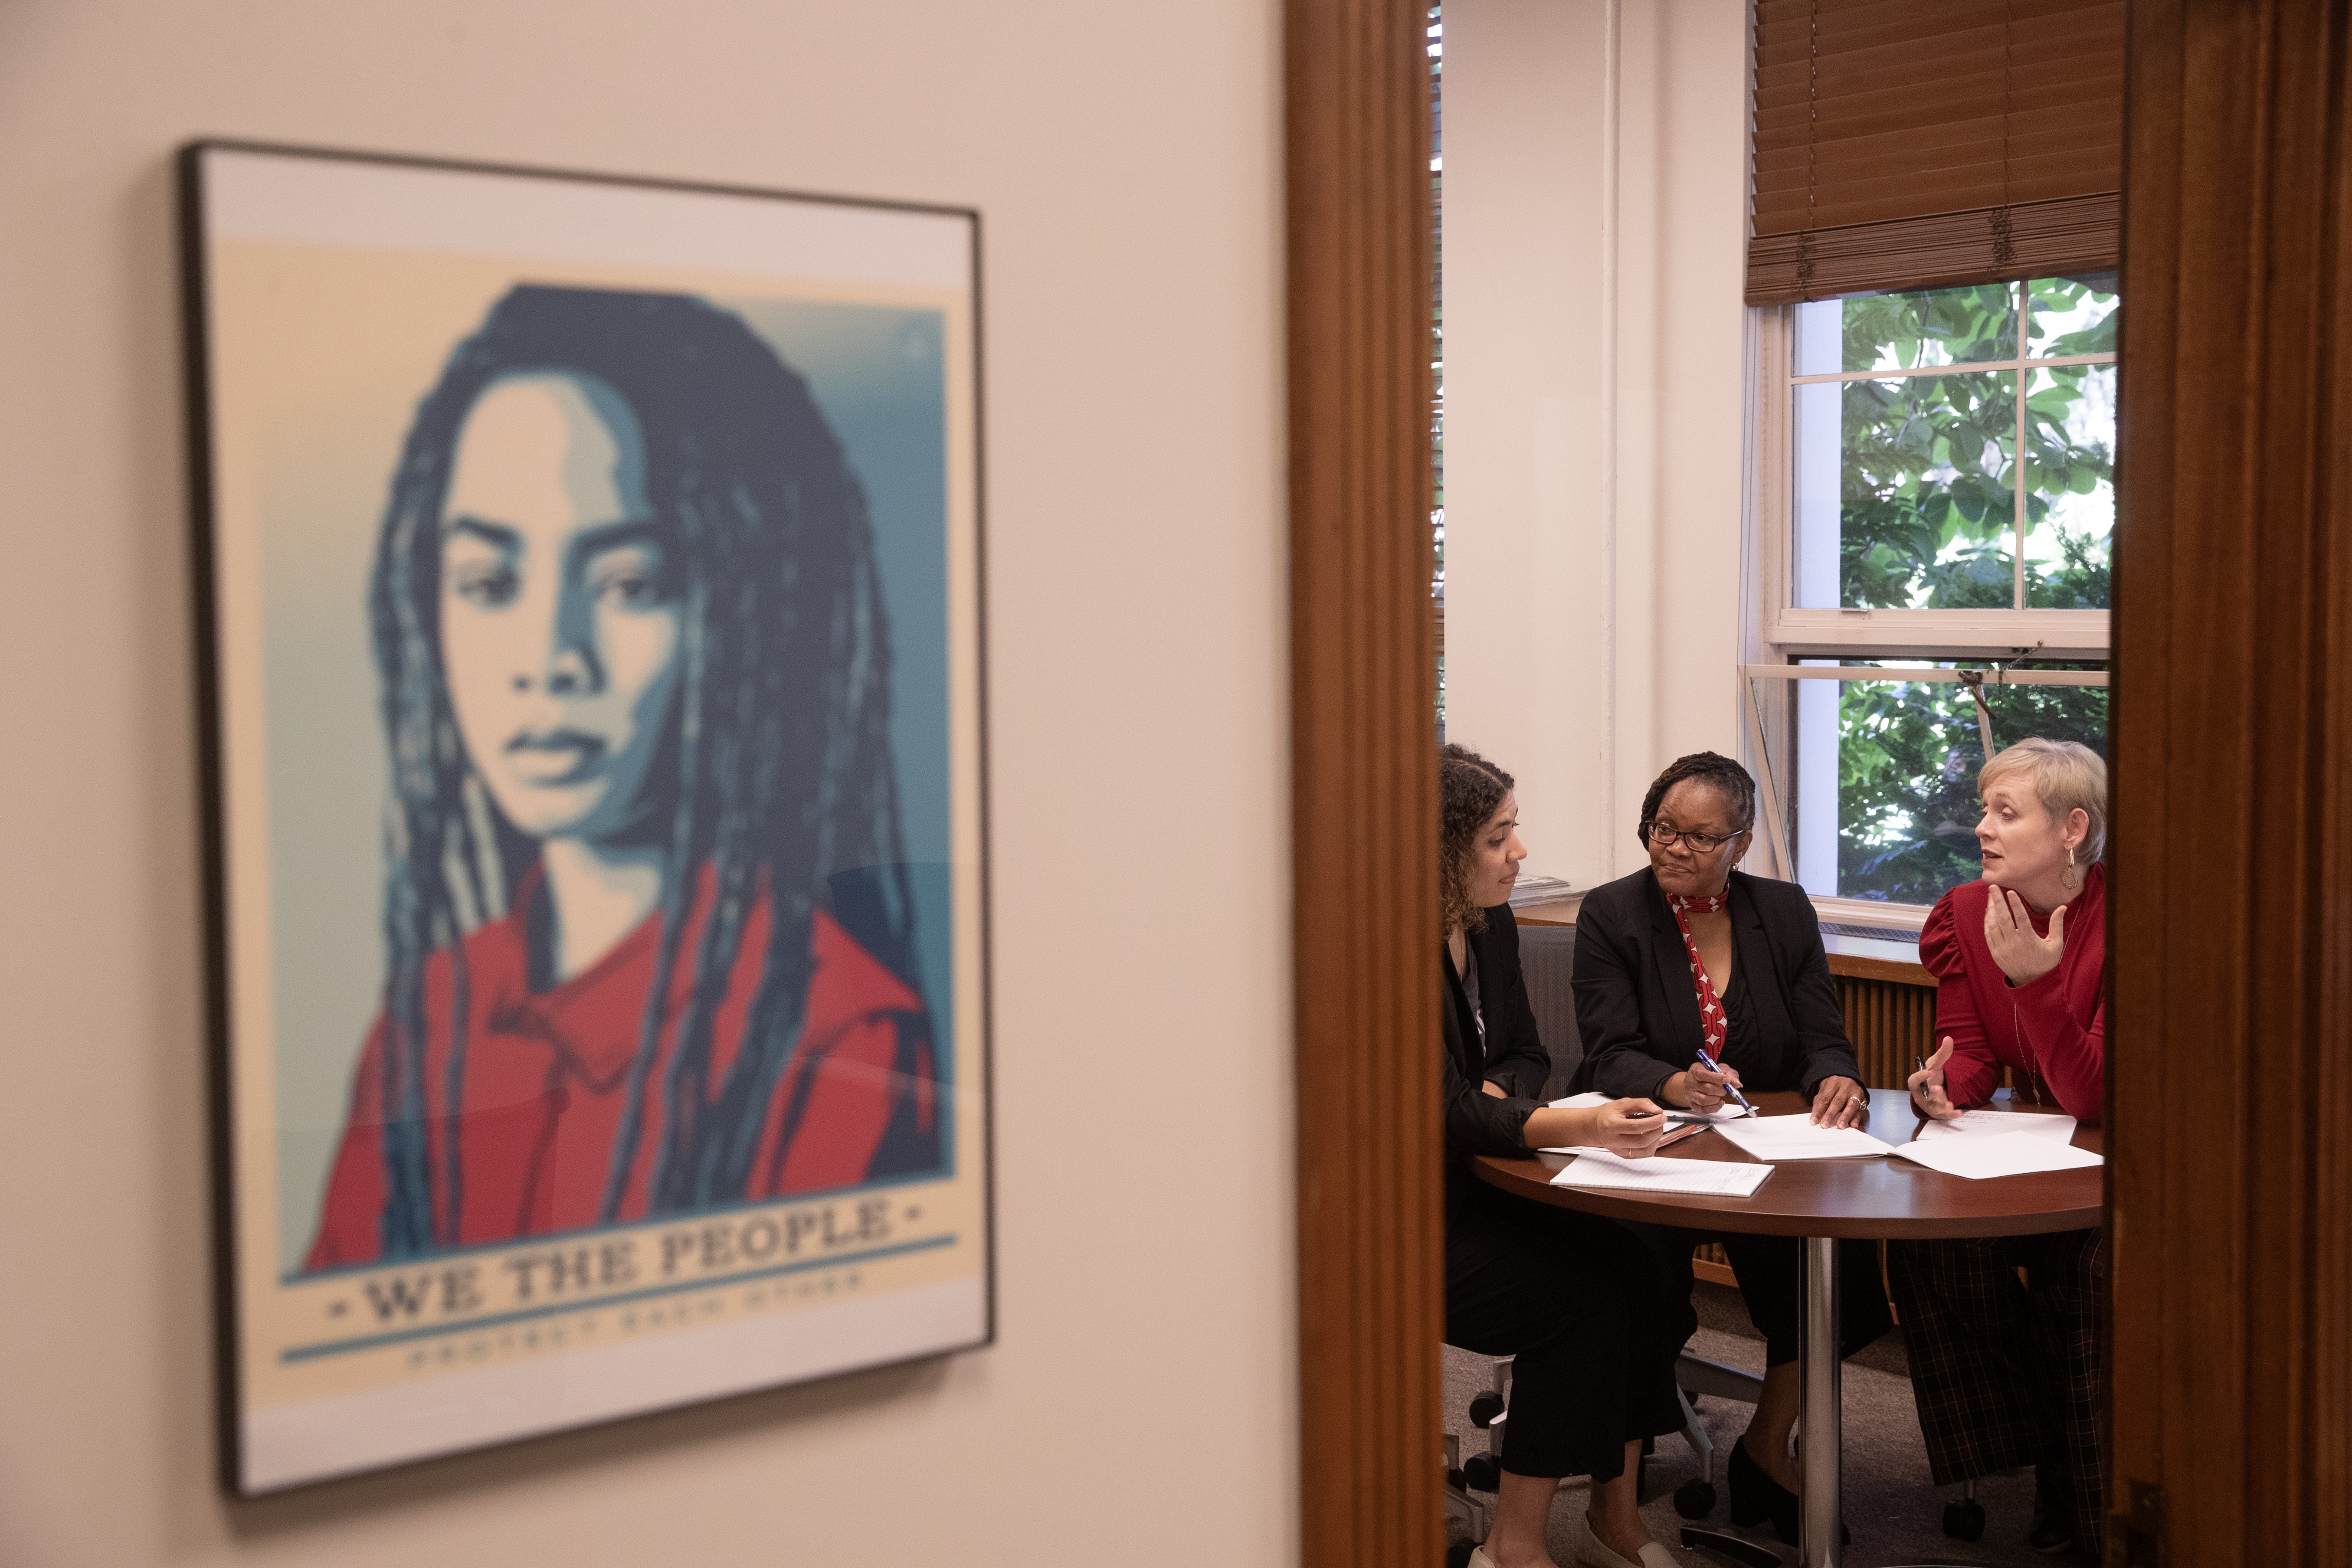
(1889, 1023)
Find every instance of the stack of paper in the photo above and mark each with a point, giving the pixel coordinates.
(1727, 1112)
(1539, 891)
(1719, 1178)
(1993, 1123)
(1997, 1153)
(1796, 1138)
(1580, 1102)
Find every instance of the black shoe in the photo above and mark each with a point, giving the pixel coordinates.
(1756, 1496)
(2052, 1532)
(2053, 1515)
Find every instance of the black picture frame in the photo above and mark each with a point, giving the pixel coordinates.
(851, 1246)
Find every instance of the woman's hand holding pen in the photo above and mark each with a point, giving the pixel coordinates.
(1927, 1085)
(1700, 1088)
(1629, 1129)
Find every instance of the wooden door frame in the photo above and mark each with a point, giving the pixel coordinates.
(2230, 1189)
(2230, 928)
(1364, 783)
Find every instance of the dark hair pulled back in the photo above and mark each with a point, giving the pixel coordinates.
(1712, 769)
(1470, 790)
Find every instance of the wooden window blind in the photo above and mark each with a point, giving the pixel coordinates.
(1918, 144)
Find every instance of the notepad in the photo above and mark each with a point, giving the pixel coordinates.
(1775, 1137)
(1997, 1154)
(1594, 1168)
(1996, 1123)
(1580, 1102)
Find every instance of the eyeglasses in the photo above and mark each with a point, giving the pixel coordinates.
(1659, 834)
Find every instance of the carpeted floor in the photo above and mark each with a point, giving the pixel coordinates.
(1896, 1515)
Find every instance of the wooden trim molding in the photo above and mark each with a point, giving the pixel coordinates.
(2230, 928)
(1363, 727)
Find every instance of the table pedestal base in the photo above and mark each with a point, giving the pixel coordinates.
(1820, 1408)
(1821, 1417)
(1732, 1547)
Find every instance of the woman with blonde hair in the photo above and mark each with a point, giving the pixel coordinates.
(2008, 1373)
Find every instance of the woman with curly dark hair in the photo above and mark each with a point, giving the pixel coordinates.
(1573, 1296)
(1694, 980)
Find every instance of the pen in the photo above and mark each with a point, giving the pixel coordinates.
(1708, 1063)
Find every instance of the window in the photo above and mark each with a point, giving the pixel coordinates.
(1938, 520)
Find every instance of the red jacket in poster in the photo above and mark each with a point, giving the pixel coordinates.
(546, 1078)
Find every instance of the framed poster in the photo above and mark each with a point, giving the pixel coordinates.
(590, 587)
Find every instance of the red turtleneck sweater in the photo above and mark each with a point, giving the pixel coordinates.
(2053, 1029)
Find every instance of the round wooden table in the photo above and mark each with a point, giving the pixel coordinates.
(1823, 1201)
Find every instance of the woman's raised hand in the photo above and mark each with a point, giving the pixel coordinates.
(1928, 1084)
(2009, 932)
(1630, 1129)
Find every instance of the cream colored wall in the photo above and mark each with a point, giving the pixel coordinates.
(1595, 343)
(1138, 1406)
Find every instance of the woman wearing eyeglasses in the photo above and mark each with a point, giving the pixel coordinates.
(1693, 979)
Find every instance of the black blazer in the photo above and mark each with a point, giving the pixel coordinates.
(1512, 1054)
(1638, 1013)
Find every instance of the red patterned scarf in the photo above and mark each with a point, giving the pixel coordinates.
(1710, 1006)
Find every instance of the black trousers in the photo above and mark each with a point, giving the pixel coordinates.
(1575, 1299)
(1771, 1270)
(2008, 1373)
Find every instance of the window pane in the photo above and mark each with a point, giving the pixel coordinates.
(2070, 471)
(1902, 495)
(1900, 332)
(1901, 788)
(2074, 315)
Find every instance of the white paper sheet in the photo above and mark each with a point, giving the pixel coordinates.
(1796, 1138)
(1580, 1102)
(1999, 1154)
(1994, 1123)
(1596, 1169)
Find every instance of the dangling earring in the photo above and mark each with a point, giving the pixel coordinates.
(2070, 876)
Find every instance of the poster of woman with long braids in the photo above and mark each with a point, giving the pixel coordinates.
(591, 595)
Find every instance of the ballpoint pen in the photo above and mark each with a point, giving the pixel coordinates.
(1710, 1064)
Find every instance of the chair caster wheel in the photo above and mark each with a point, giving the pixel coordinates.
(1964, 1519)
(1694, 1499)
(1481, 1473)
(1457, 1556)
(1484, 1408)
